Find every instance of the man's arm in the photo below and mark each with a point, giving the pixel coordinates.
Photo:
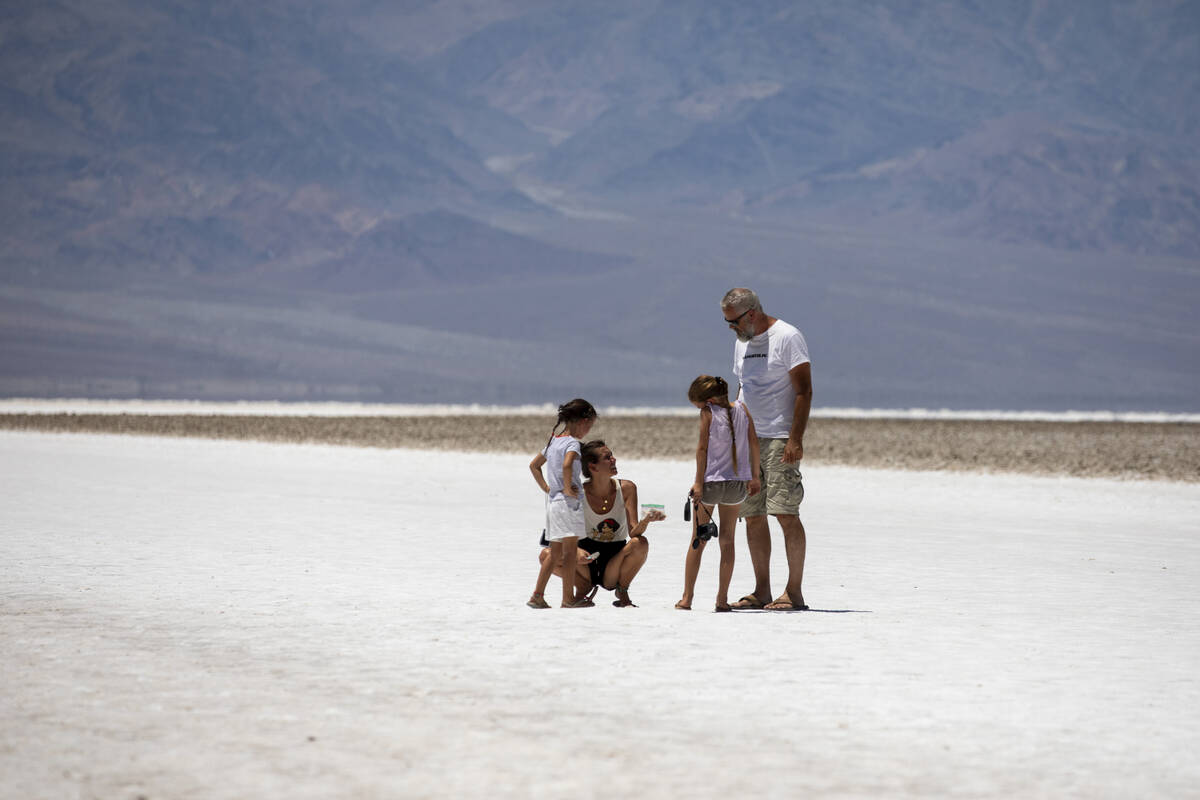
(801, 376)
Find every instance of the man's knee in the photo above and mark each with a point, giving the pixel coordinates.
(757, 524)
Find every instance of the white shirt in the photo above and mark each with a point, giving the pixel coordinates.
(556, 454)
(762, 366)
(609, 526)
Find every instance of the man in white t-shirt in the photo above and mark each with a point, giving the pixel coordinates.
(770, 362)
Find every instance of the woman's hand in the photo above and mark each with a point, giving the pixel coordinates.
(697, 491)
(753, 487)
(653, 515)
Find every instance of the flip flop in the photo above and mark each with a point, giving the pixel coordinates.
(582, 602)
(785, 605)
(682, 607)
(749, 601)
(721, 609)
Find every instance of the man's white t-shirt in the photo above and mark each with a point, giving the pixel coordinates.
(762, 366)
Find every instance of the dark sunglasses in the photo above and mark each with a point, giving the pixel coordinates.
(733, 322)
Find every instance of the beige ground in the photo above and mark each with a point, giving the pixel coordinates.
(1159, 451)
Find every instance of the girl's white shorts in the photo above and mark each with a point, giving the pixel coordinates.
(564, 517)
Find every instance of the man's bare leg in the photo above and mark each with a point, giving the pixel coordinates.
(795, 543)
(758, 541)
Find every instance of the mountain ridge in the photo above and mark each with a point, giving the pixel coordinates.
(882, 173)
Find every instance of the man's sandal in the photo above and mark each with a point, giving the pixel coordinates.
(785, 604)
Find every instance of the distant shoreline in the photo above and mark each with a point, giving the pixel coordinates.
(1113, 449)
(346, 409)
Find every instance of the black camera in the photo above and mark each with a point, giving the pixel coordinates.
(705, 531)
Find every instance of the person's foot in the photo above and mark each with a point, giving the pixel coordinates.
(580, 602)
(749, 602)
(622, 601)
(537, 600)
(684, 605)
(784, 603)
(723, 607)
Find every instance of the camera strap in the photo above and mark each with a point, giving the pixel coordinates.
(697, 504)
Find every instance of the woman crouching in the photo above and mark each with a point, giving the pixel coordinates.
(613, 531)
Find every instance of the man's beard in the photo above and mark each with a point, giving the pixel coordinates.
(742, 336)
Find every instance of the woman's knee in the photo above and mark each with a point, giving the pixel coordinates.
(635, 549)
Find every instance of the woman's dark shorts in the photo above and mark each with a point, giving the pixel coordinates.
(606, 550)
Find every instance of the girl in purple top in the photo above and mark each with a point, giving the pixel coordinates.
(726, 473)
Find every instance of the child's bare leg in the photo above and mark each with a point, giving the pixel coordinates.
(567, 560)
(583, 575)
(728, 515)
(554, 559)
(691, 564)
(547, 566)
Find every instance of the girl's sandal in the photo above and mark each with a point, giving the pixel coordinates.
(537, 600)
(582, 602)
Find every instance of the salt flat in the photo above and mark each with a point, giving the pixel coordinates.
(184, 618)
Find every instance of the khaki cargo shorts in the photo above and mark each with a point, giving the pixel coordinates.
(782, 485)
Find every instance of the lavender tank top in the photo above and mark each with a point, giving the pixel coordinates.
(720, 445)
